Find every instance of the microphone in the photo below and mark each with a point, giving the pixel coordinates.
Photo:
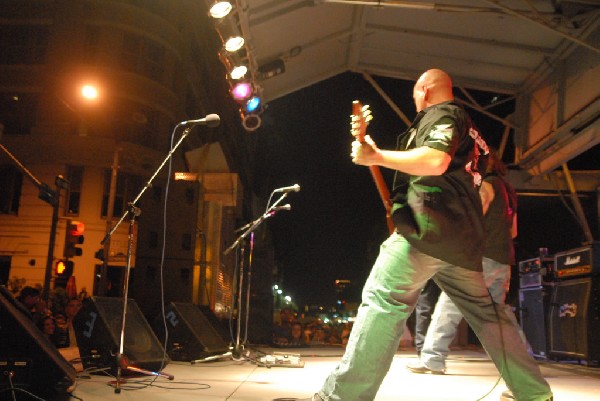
(293, 188)
(282, 207)
(211, 120)
(275, 209)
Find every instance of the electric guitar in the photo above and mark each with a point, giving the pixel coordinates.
(361, 116)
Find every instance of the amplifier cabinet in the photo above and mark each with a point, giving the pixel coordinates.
(574, 319)
(577, 262)
(532, 272)
(533, 307)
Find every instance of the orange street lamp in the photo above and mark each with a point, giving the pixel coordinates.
(89, 92)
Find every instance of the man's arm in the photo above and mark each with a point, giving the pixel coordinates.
(514, 231)
(487, 194)
(419, 161)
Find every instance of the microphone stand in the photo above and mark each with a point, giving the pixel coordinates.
(249, 229)
(134, 211)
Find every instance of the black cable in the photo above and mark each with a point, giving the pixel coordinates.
(20, 390)
(14, 389)
(494, 305)
(133, 385)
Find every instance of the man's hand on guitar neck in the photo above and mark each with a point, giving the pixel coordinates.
(365, 153)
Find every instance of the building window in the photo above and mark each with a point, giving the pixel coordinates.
(142, 56)
(128, 186)
(75, 177)
(18, 112)
(91, 44)
(11, 180)
(23, 44)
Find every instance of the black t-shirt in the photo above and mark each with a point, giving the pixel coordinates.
(442, 215)
(498, 222)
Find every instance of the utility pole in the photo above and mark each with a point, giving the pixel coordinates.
(109, 221)
(52, 197)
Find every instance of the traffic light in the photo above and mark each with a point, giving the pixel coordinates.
(62, 271)
(73, 238)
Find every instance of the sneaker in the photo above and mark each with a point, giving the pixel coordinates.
(419, 367)
(507, 395)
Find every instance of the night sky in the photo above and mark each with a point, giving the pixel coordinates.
(337, 220)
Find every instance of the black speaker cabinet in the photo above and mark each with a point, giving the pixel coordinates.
(575, 319)
(191, 335)
(532, 313)
(28, 356)
(98, 328)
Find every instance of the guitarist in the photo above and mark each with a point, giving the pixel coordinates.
(439, 234)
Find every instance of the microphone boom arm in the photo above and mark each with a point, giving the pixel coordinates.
(250, 227)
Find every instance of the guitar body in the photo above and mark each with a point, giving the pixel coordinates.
(361, 116)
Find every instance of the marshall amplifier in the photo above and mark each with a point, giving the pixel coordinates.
(531, 271)
(578, 262)
(574, 320)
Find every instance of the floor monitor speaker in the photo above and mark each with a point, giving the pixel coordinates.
(98, 327)
(191, 334)
(28, 360)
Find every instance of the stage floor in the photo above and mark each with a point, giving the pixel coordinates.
(471, 375)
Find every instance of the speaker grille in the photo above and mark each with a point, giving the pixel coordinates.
(98, 330)
(36, 363)
(574, 319)
(191, 335)
(532, 307)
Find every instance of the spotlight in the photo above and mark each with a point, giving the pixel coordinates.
(234, 43)
(242, 91)
(251, 122)
(253, 104)
(220, 9)
(234, 63)
(238, 72)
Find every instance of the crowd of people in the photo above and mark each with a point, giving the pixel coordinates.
(54, 317)
(289, 331)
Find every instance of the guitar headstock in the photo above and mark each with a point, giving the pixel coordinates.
(361, 116)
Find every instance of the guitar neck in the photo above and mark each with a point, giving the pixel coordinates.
(384, 194)
(360, 119)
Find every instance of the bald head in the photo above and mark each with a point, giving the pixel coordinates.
(433, 87)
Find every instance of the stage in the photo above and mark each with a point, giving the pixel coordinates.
(470, 377)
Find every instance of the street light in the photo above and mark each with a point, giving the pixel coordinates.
(89, 92)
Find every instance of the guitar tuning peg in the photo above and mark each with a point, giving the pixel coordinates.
(365, 107)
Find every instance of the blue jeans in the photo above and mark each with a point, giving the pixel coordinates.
(424, 312)
(447, 316)
(389, 297)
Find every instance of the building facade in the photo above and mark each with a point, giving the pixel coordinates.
(153, 64)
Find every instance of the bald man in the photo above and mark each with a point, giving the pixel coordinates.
(439, 234)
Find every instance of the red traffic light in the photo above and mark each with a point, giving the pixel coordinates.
(75, 228)
(73, 237)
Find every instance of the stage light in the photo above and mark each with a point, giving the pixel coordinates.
(238, 72)
(253, 104)
(230, 33)
(251, 122)
(242, 91)
(234, 43)
(220, 9)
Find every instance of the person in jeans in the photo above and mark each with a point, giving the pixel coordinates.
(424, 312)
(499, 203)
(439, 234)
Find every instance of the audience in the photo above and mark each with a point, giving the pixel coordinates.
(289, 332)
